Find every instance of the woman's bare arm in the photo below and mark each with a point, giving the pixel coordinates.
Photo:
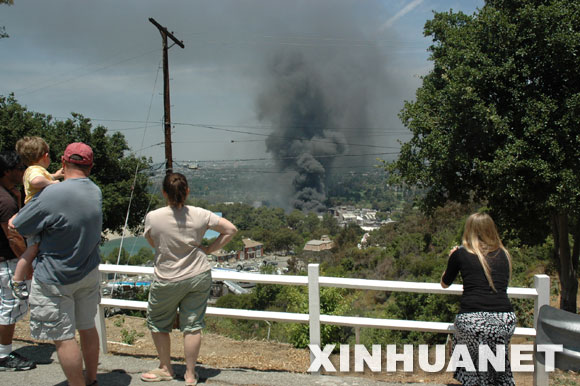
(227, 231)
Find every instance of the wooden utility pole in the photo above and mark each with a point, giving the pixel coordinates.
(166, 100)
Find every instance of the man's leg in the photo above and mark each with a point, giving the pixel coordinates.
(191, 346)
(71, 361)
(6, 334)
(86, 300)
(12, 309)
(90, 349)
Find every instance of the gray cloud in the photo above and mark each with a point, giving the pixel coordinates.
(100, 58)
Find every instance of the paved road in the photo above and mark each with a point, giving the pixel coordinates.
(117, 370)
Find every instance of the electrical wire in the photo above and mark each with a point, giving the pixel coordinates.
(282, 137)
(136, 171)
(56, 83)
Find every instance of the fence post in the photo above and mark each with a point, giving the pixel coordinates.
(101, 327)
(314, 307)
(542, 285)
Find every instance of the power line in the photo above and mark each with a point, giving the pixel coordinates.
(283, 137)
(80, 76)
(290, 158)
(287, 171)
(309, 41)
(400, 130)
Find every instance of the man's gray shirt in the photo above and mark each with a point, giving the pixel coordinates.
(68, 217)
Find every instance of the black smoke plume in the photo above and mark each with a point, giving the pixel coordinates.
(314, 101)
(296, 104)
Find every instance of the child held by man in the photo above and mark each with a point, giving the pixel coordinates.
(34, 152)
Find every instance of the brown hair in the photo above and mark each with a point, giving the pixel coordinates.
(481, 238)
(175, 186)
(31, 149)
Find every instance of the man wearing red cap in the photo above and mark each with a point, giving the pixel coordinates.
(64, 295)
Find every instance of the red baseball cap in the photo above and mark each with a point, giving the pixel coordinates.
(78, 153)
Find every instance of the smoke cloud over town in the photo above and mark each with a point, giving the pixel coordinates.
(320, 102)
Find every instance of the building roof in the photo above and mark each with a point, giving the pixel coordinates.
(222, 252)
(249, 243)
(318, 242)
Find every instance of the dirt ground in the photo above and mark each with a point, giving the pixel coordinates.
(221, 352)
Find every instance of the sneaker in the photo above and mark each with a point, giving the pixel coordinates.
(16, 362)
(20, 290)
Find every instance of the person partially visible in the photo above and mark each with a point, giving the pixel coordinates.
(65, 290)
(34, 152)
(182, 274)
(486, 315)
(12, 245)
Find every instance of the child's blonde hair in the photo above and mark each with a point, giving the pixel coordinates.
(480, 237)
(31, 149)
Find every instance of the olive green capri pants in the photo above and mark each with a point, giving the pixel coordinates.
(190, 296)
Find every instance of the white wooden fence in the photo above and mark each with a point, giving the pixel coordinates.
(540, 293)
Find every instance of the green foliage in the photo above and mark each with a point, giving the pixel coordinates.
(119, 321)
(366, 190)
(114, 169)
(3, 33)
(236, 244)
(349, 236)
(144, 255)
(130, 336)
(243, 301)
(285, 239)
(413, 249)
(112, 257)
(332, 302)
(496, 120)
(485, 120)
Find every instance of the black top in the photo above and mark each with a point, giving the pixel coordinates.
(477, 294)
(8, 207)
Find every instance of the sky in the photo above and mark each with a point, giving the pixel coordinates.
(255, 79)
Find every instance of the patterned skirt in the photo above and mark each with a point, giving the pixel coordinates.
(484, 328)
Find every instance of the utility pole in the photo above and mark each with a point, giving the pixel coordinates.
(166, 101)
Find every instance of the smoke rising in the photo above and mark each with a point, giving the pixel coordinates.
(296, 104)
(317, 100)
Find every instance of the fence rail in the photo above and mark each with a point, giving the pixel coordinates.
(540, 294)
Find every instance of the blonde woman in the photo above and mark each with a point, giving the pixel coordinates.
(486, 316)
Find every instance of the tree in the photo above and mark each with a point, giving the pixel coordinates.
(112, 257)
(3, 33)
(236, 244)
(143, 256)
(285, 239)
(114, 169)
(296, 219)
(498, 120)
(330, 224)
(349, 236)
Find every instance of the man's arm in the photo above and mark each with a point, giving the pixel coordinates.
(32, 219)
(15, 240)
